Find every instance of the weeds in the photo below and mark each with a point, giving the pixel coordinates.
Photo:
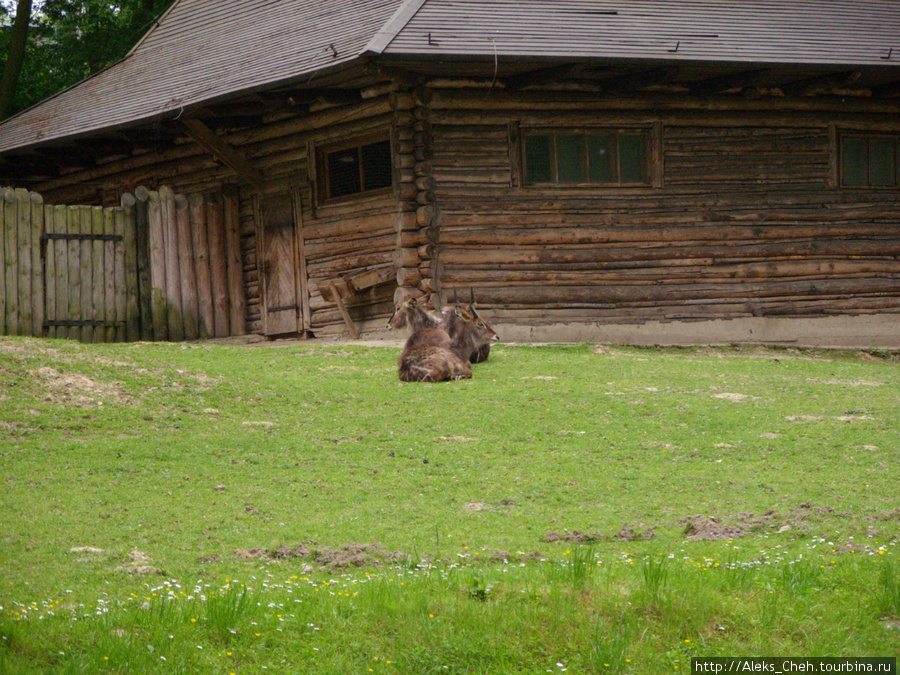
(887, 597)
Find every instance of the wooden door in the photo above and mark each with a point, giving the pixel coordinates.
(283, 295)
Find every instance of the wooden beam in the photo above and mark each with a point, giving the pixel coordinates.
(827, 81)
(640, 79)
(217, 146)
(716, 85)
(889, 90)
(542, 76)
(400, 76)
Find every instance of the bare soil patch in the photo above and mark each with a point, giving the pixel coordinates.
(326, 559)
(74, 389)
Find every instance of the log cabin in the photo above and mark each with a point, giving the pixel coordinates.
(622, 171)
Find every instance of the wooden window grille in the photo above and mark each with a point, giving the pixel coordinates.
(870, 161)
(587, 158)
(355, 168)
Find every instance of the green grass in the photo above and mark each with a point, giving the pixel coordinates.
(203, 508)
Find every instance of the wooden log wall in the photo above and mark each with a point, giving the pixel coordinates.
(746, 222)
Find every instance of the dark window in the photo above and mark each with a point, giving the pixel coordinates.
(355, 169)
(601, 157)
(870, 161)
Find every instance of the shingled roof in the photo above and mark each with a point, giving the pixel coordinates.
(845, 32)
(203, 51)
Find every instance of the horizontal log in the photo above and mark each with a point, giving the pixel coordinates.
(425, 215)
(406, 257)
(410, 238)
(461, 233)
(408, 276)
(425, 183)
(700, 292)
(755, 251)
(406, 221)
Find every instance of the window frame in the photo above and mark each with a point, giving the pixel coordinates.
(843, 136)
(323, 176)
(651, 161)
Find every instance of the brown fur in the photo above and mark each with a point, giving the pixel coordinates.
(427, 357)
(469, 333)
(413, 314)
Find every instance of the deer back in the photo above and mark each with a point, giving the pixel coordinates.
(431, 362)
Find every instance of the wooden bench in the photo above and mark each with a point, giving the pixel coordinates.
(340, 289)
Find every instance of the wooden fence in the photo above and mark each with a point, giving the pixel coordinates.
(159, 267)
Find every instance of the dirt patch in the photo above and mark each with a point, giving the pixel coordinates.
(574, 537)
(847, 383)
(138, 563)
(736, 398)
(327, 559)
(93, 550)
(629, 534)
(703, 528)
(74, 389)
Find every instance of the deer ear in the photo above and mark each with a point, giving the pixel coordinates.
(458, 310)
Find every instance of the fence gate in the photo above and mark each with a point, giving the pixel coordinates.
(89, 256)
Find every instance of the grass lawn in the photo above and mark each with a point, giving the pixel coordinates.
(296, 509)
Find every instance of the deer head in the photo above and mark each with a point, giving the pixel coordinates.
(413, 314)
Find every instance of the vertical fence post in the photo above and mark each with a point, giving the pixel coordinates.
(37, 278)
(4, 256)
(142, 250)
(215, 220)
(200, 245)
(235, 268)
(157, 269)
(126, 226)
(10, 261)
(189, 305)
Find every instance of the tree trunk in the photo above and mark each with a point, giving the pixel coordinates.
(15, 57)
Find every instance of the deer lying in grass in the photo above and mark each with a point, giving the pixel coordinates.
(457, 328)
(465, 326)
(427, 355)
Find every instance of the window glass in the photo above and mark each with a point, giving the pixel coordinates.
(602, 158)
(870, 161)
(376, 165)
(538, 162)
(632, 163)
(570, 158)
(355, 169)
(881, 161)
(854, 159)
(343, 173)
